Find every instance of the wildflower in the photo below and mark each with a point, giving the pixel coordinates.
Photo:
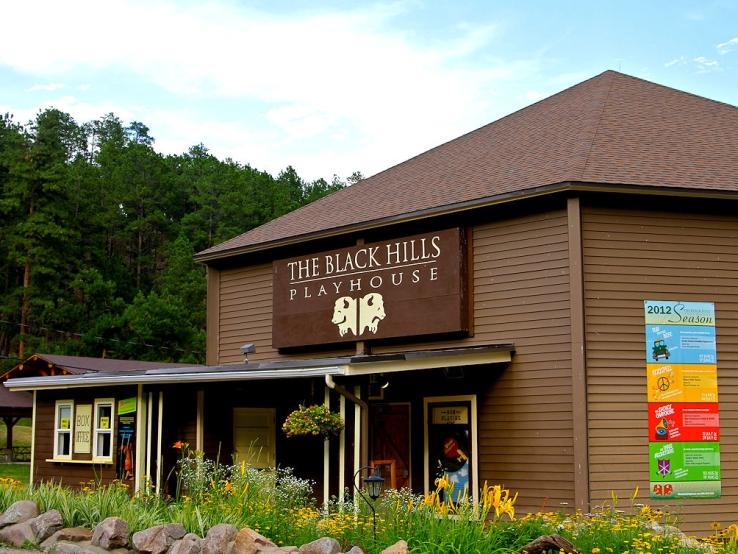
(595, 550)
(178, 445)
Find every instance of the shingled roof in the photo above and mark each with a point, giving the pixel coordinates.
(612, 129)
(57, 364)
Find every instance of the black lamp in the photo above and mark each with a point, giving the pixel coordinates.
(373, 485)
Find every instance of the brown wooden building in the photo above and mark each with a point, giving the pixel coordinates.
(479, 307)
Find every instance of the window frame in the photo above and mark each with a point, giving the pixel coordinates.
(58, 431)
(96, 432)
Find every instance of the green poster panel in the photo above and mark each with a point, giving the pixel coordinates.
(684, 461)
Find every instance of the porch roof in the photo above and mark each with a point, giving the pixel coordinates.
(291, 369)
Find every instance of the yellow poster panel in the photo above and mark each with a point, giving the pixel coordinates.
(682, 382)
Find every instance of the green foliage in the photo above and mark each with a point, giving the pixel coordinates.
(99, 229)
(315, 420)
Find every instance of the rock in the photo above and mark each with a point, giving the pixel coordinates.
(20, 511)
(543, 544)
(355, 550)
(74, 534)
(17, 534)
(65, 548)
(324, 545)
(157, 540)
(110, 533)
(400, 547)
(46, 524)
(189, 544)
(249, 541)
(218, 539)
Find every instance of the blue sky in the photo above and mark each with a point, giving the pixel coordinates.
(335, 87)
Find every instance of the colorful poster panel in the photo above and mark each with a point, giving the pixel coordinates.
(676, 312)
(682, 422)
(682, 383)
(684, 461)
(680, 344)
(687, 489)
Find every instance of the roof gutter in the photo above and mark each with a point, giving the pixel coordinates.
(485, 202)
(63, 382)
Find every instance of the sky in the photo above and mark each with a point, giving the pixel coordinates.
(335, 87)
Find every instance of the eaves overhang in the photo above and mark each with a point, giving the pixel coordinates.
(484, 202)
(345, 367)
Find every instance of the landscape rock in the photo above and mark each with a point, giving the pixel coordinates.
(400, 547)
(17, 534)
(157, 540)
(324, 545)
(110, 533)
(19, 511)
(355, 550)
(543, 544)
(249, 541)
(218, 539)
(46, 524)
(189, 544)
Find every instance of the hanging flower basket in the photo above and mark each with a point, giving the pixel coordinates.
(316, 420)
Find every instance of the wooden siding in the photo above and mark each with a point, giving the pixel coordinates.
(521, 295)
(631, 256)
(521, 290)
(69, 473)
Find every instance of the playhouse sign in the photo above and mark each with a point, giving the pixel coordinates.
(406, 286)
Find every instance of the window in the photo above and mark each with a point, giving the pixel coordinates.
(102, 449)
(63, 429)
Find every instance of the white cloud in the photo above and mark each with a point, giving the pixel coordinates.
(48, 87)
(320, 75)
(706, 65)
(700, 63)
(727, 46)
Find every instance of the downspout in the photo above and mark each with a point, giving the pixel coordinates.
(331, 384)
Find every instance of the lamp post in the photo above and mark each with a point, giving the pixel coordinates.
(373, 485)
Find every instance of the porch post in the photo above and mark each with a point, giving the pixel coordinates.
(326, 456)
(149, 424)
(141, 414)
(357, 438)
(160, 429)
(342, 451)
(33, 441)
(200, 425)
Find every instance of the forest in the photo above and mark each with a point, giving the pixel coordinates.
(98, 232)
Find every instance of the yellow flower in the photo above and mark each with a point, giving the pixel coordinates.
(595, 550)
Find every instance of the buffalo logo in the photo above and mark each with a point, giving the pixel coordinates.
(358, 315)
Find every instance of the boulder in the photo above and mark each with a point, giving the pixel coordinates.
(324, 545)
(110, 533)
(355, 550)
(17, 534)
(157, 540)
(249, 541)
(46, 524)
(19, 511)
(400, 547)
(543, 544)
(189, 544)
(68, 534)
(218, 539)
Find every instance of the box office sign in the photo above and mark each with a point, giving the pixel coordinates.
(401, 287)
(83, 429)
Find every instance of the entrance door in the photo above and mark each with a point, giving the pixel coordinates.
(254, 436)
(390, 447)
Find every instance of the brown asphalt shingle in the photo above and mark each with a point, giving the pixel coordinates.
(612, 129)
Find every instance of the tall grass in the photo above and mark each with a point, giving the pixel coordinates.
(280, 505)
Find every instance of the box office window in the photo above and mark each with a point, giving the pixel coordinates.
(102, 447)
(64, 415)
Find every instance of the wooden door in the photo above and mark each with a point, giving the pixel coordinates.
(390, 444)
